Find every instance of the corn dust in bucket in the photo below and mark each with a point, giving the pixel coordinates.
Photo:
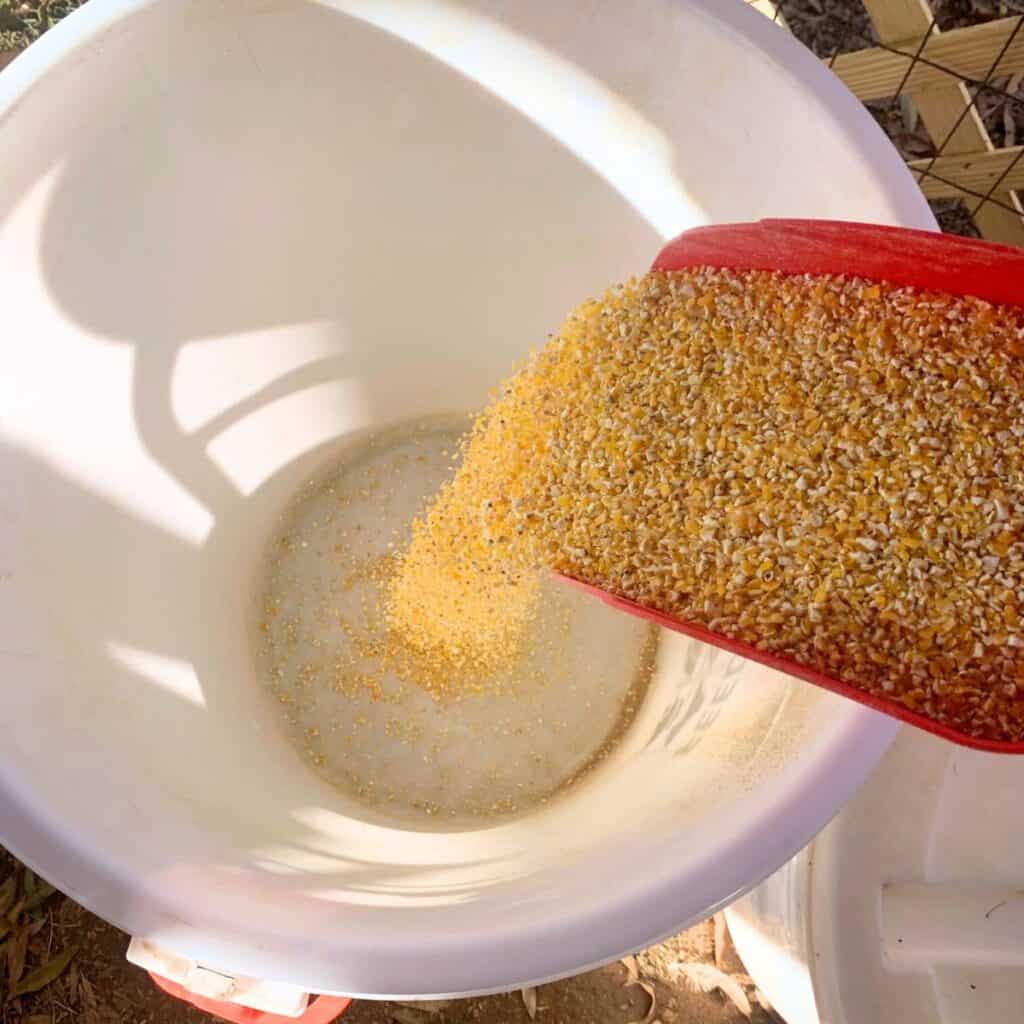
(350, 698)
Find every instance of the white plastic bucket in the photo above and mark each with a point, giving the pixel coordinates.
(232, 233)
(909, 907)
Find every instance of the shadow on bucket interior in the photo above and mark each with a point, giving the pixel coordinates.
(229, 253)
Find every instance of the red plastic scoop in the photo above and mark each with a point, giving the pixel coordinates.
(922, 259)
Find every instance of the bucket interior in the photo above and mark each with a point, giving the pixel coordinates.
(234, 236)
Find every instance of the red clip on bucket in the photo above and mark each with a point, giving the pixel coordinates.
(322, 1010)
(900, 256)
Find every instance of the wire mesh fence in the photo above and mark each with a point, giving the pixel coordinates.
(945, 80)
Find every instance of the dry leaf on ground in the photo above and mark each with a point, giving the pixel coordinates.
(632, 971)
(652, 1008)
(633, 979)
(45, 975)
(8, 890)
(530, 1002)
(42, 892)
(707, 978)
(17, 950)
(721, 931)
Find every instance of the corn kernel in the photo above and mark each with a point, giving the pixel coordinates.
(850, 467)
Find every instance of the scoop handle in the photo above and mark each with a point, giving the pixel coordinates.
(901, 256)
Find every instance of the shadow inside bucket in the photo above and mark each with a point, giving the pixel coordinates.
(247, 249)
(258, 230)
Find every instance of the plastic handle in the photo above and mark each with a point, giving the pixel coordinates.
(900, 256)
(322, 1010)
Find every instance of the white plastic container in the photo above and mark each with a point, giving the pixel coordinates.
(909, 907)
(234, 232)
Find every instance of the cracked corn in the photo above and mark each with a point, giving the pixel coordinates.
(826, 468)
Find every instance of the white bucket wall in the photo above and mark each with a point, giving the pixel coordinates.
(232, 233)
